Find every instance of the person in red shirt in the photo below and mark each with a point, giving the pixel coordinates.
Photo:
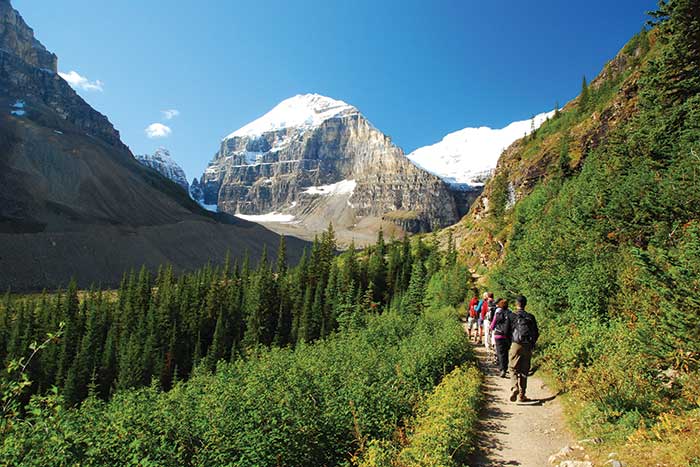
(472, 319)
(483, 309)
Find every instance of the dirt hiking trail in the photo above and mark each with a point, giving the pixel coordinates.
(514, 434)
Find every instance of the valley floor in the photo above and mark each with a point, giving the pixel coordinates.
(523, 435)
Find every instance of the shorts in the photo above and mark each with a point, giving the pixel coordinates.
(471, 323)
(481, 322)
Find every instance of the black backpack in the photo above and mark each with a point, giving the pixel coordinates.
(492, 311)
(502, 320)
(523, 328)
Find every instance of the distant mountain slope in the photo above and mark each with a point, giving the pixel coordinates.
(73, 199)
(468, 156)
(162, 162)
(280, 163)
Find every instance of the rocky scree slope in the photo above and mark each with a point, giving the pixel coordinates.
(320, 159)
(74, 202)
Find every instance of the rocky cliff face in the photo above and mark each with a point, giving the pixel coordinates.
(312, 150)
(163, 163)
(28, 73)
(18, 38)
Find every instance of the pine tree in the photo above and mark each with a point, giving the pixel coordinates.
(678, 68)
(108, 364)
(413, 300)
(220, 345)
(584, 98)
(328, 322)
(451, 257)
(130, 363)
(376, 269)
(168, 370)
(282, 257)
(305, 326)
(72, 334)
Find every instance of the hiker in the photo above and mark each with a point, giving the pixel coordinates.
(523, 333)
(472, 318)
(487, 317)
(482, 308)
(500, 331)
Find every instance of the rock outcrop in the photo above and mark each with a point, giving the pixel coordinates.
(28, 72)
(312, 150)
(17, 38)
(162, 162)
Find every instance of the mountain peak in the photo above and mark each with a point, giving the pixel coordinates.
(467, 156)
(162, 161)
(301, 111)
(17, 38)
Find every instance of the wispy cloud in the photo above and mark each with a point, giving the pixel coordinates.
(158, 130)
(81, 82)
(170, 113)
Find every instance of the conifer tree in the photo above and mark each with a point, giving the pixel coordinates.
(130, 363)
(451, 257)
(282, 257)
(72, 333)
(108, 364)
(413, 299)
(584, 97)
(220, 345)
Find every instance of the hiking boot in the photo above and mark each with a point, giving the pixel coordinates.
(513, 395)
(503, 374)
(524, 398)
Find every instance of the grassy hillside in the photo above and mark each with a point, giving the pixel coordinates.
(596, 218)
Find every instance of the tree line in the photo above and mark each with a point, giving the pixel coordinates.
(160, 327)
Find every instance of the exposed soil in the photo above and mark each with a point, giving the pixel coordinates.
(521, 434)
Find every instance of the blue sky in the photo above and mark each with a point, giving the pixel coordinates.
(417, 69)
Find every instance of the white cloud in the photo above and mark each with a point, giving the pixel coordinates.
(81, 82)
(170, 113)
(158, 130)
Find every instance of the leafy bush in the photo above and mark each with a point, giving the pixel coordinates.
(318, 404)
(443, 431)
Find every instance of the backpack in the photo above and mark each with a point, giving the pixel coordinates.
(523, 328)
(477, 308)
(501, 326)
(472, 311)
(492, 311)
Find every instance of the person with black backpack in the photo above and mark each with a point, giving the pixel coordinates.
(501, 332)
(523, 333)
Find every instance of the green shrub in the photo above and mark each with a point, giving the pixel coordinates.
(442, 433)
(318, 404)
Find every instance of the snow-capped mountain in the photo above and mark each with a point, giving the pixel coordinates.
(163, 162)
(302, 112)
(312, 160)
(467, 157)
